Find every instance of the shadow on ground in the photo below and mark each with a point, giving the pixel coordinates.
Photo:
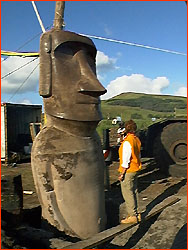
(180, 241)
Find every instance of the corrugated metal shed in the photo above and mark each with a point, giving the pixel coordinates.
(15, 128)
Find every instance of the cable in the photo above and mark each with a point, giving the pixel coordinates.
(117, 41)
(18, 68)
(23, 82)
(27, 42)
(122, 42)
(134, 44)
(30, 40)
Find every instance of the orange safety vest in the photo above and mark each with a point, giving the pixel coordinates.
(135, 163)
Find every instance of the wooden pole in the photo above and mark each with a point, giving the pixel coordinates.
(59, 15)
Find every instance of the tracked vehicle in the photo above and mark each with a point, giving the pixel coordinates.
(166, 141)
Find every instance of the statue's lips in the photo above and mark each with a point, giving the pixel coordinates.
(87, 99)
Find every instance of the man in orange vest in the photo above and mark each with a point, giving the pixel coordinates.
(130, 164)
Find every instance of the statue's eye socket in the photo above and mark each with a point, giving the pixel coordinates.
(71, 48)
(64, 49)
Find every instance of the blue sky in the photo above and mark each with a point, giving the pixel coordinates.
(120, 67)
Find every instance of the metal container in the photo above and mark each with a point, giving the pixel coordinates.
(15, 129)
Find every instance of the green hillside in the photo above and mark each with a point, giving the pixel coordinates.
(150, 102)
(141, 108)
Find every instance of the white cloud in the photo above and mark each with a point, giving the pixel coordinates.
(136, 83)
(119, 54)
(104, 63)
(12, 83)
(24, 101)
(182, 91)
(107, 31)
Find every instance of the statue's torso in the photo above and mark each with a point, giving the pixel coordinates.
(69, 175)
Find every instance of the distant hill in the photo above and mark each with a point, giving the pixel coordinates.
(159, 103)
(142, 108)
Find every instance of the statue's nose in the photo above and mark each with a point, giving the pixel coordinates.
(88, 82)
(91, 86)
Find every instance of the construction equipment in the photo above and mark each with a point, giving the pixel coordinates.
(166, 141)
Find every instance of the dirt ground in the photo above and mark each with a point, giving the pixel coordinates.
(166, 230)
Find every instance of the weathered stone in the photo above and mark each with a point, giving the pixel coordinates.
(67, 160)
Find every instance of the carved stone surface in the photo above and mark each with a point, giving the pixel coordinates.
(67, 160)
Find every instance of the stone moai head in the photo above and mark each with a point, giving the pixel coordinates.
(68, 82)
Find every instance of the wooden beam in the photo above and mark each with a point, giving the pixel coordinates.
(59, 15)
(112, 232)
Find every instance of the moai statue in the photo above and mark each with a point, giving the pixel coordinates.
(67, 160)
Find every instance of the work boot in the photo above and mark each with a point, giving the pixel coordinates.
(130, 219)
(139, 217)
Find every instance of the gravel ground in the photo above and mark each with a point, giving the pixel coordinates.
(166, 230)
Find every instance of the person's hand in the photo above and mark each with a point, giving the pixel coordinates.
(121, 177)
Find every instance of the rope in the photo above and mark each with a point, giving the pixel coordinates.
(38, 16)
(23, 82)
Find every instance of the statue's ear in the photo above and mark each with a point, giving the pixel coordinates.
(45, 78)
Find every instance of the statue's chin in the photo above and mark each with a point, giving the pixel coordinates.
(74, 112)
(79, 128)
